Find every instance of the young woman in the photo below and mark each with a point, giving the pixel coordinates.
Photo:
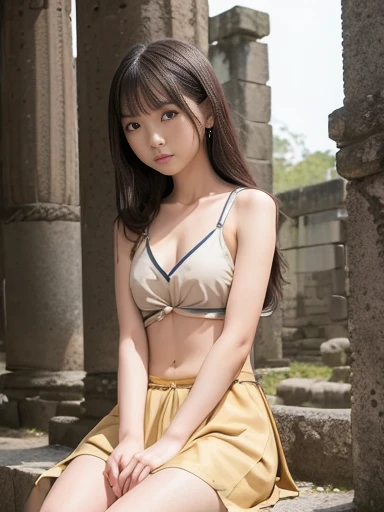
(196, 265)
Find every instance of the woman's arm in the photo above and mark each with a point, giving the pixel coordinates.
(256, 236)
(133, 346)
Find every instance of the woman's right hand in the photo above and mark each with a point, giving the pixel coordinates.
(118, 460)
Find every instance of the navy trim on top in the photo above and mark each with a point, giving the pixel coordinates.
(162, 271)
(190, 252)
(153, 259)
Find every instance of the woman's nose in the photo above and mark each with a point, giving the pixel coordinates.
(156, 139)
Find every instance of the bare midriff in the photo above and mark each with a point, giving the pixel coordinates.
(179, 344)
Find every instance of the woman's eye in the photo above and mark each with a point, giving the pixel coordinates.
(131, 127)
(169, 113)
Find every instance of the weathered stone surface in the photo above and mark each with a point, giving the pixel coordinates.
(336, 352)
(317, 443)
(261, 171)
(339, 308)
(69, 430)
(36, 413)
(341, 374)
(255, 138)
(359, 118)
(239, 20)
(316, 259)
(328, 195)
(250, 100)
(362, 158)
(9, 414)
(295, 391)
(240, 58)
(316, 502)
(314, 393)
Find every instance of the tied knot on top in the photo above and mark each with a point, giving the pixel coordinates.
(164, 312)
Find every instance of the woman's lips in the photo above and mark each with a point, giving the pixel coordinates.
(164, 160)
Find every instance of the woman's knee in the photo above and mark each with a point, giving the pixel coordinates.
(81, 486)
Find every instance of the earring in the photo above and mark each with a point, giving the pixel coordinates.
(209, 133)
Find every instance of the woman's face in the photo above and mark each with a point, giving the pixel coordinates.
(167, 131)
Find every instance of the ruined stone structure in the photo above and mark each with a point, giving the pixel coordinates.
(313, 240)
(240, 61)
(358, 128)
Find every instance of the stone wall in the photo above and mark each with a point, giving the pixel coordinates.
(313, 238)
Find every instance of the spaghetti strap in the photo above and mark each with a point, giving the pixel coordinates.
(228, 205)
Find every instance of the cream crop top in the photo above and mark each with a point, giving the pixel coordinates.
(199, 283)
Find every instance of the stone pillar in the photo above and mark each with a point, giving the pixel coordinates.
(41, 206)
(241, 64)
(358, 128)
(105, 31)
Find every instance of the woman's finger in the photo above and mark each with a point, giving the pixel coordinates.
(126, 485)
(144, 474)
(136, 472)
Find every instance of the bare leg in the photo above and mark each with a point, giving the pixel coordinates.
(81, 486)
(170, 490)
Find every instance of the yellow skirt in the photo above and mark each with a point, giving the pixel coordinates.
(236, 450)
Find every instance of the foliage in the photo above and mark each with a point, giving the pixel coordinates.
(295, 166)
(270, 381)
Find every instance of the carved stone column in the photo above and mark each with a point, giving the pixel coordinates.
(358, 128)
(105, 31)
(41, 211)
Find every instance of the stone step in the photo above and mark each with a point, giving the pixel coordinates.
(314, 393)
(23, 457)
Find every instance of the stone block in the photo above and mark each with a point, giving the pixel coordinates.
(36, 413)
(241, 59)
(307, 320)
(292, 334)
(336, 352)
(255, 139)
(238, 21)
(341, 374)
(315, 259)
(288, 232)
(295, 391)
(317, 443)
(361, 159)
(249, 100)
(98, 407)
(331, 395)
(339, 308)
(9, 414)
(262, 173)
(320, 197)
(69, 430)
(320, 233)
(339, 281)
(71, 408)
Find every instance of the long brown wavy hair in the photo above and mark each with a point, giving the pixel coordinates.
(170, 68)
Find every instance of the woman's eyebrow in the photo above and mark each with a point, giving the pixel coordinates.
(161, 105)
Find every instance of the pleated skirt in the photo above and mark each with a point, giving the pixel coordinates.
(236, 449)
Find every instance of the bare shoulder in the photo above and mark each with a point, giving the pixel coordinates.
(252, 203)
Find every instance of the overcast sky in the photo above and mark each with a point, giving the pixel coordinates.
(305, 61)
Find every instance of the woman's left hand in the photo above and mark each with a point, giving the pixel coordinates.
(142, 463)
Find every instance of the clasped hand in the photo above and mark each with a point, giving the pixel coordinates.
(129, 464)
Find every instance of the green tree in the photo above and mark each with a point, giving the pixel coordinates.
(295, 166)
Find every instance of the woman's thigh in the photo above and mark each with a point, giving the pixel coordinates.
(170, 490)
(81, 486)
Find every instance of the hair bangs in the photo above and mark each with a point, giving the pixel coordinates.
(143, 90)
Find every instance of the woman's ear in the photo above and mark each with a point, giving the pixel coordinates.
(208, 113)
